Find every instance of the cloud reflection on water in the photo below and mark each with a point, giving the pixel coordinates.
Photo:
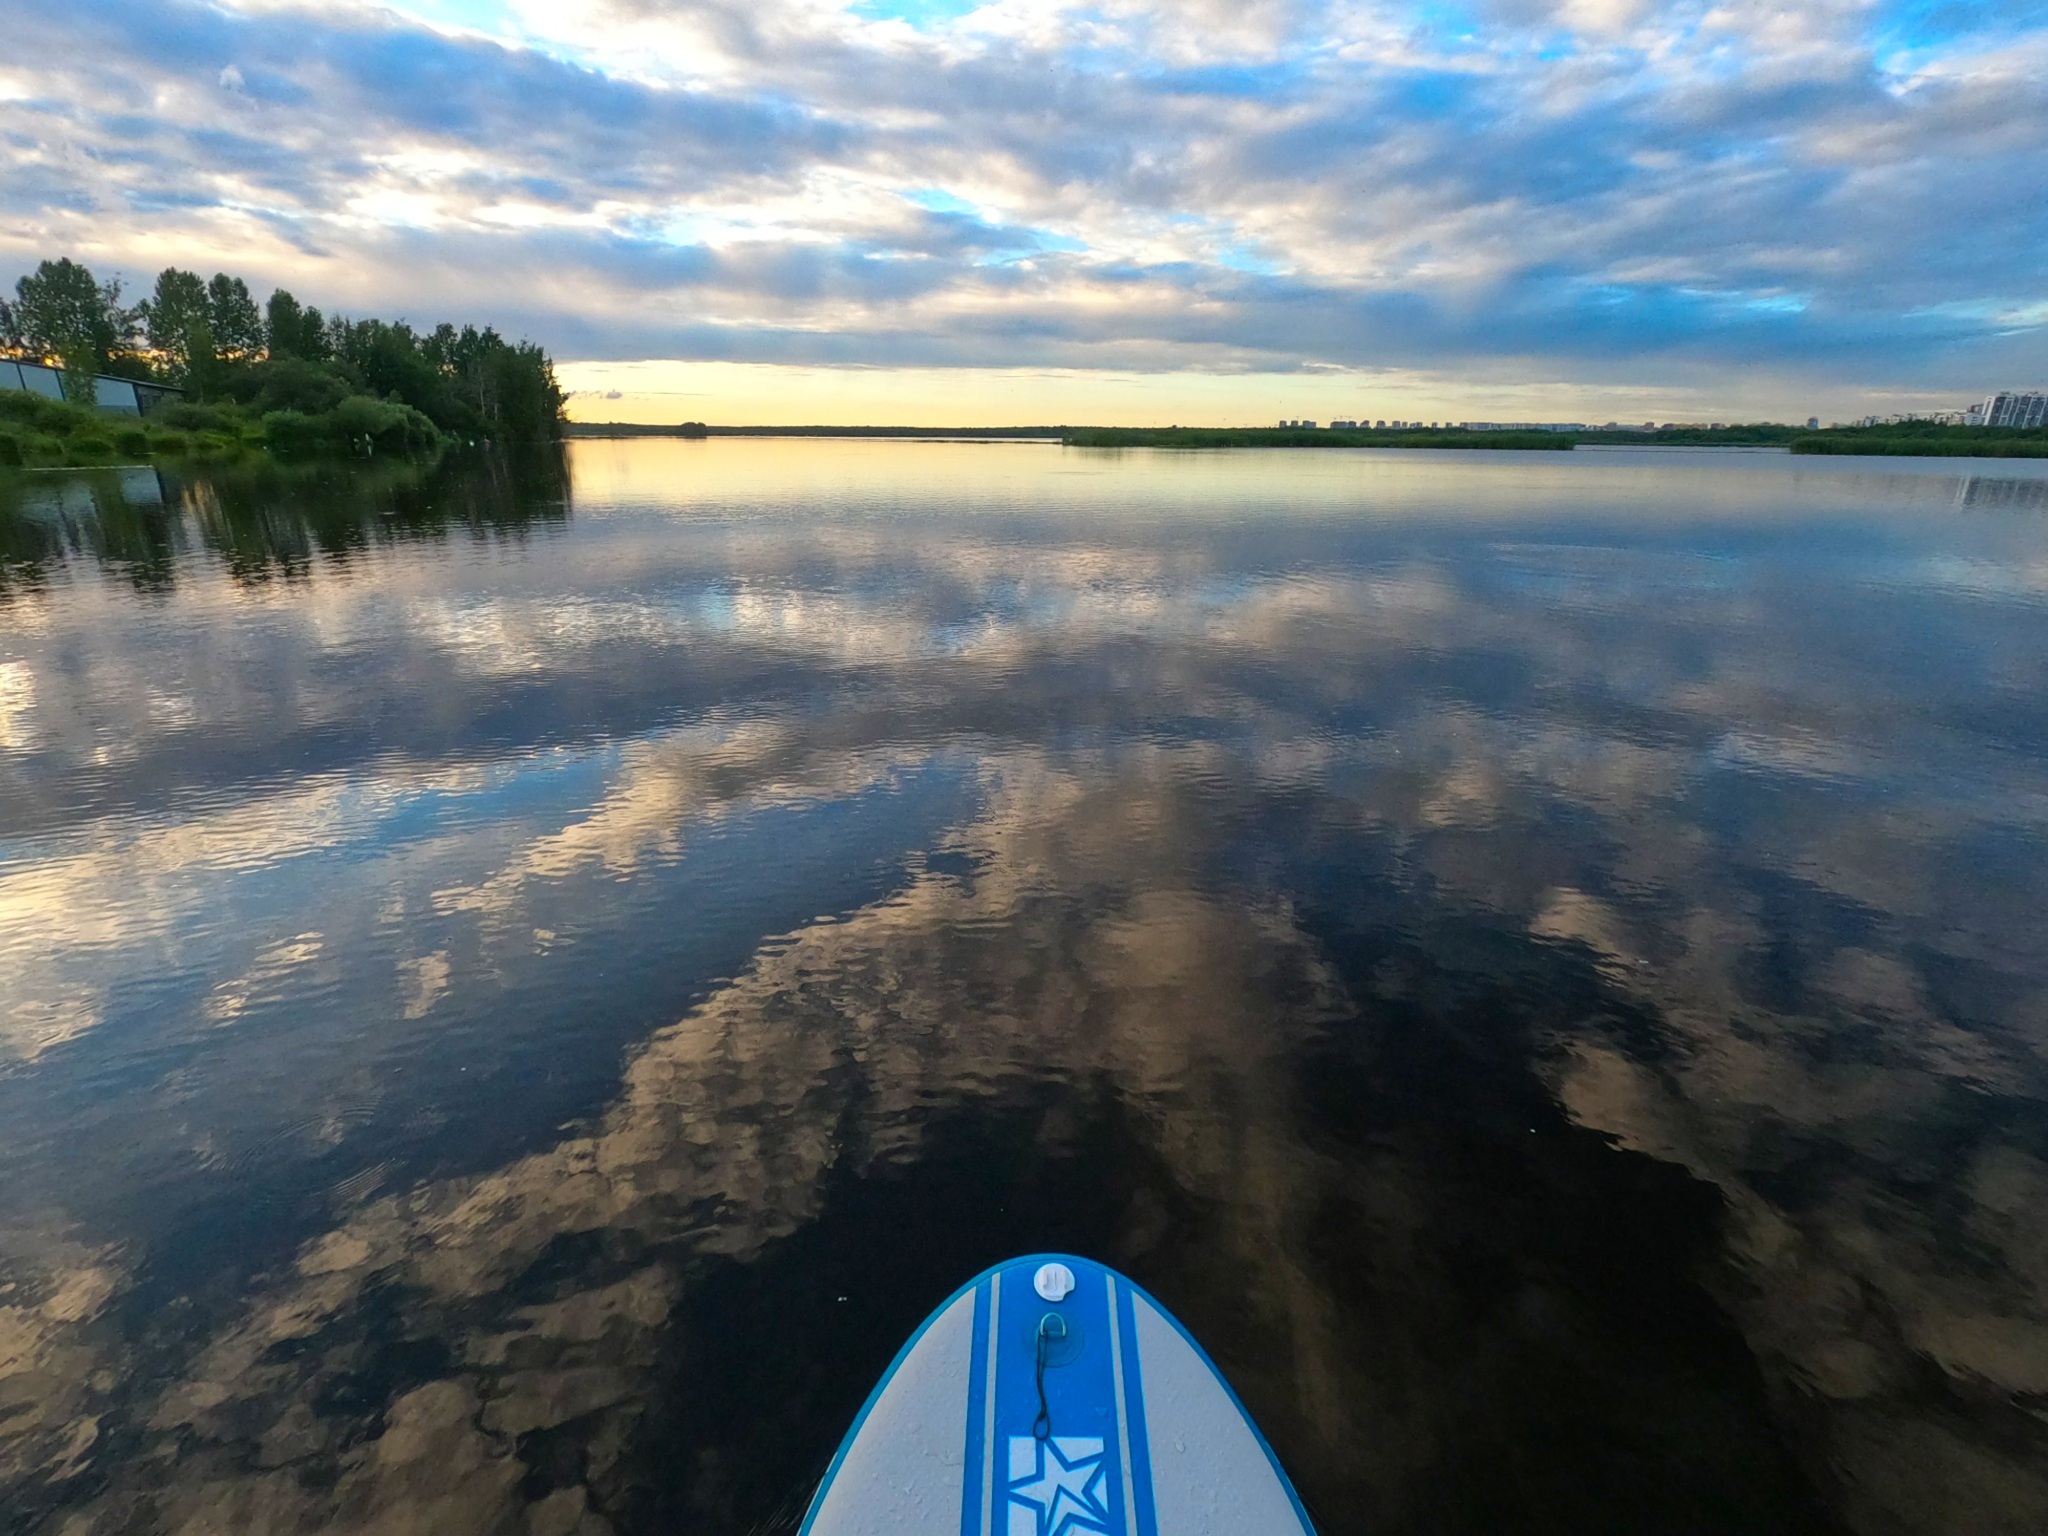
(1312, 831)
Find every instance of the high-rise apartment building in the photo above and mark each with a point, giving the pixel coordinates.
(2011, 408)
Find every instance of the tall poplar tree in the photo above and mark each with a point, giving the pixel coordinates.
(180, 324)
(294, 331)
(62, 314)
(237, 323)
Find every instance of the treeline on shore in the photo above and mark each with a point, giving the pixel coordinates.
(281, 375)
(698, 429)
(1918, 439)
(1927, 439)
(1304, 437)
(1103, 437)
(1911, 438)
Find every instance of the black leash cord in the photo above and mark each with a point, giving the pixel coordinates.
(1041, 1427)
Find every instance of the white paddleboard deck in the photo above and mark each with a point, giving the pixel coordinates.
(1139, 1436)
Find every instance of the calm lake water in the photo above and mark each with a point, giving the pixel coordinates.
(519, 989)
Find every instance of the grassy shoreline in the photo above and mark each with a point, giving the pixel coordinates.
(1098, 437)
(697, 429)
(2021, 445)
(1306, 437)
(39, 433)
(36, 433)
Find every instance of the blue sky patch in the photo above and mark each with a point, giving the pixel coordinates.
(939, 201)
(918, 13)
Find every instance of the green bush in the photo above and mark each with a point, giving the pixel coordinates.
(186, 416)
(387, 426)
(10, 450)
(59, 418)
(212, 445)
(294, 434)
(358, 427)
(170, 442)
(293, 384)
(46, 449)
(86, 449)
(132, 442)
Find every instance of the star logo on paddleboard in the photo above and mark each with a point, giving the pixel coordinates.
(1057, 1486)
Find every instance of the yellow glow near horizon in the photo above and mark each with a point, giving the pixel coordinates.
(664, 392)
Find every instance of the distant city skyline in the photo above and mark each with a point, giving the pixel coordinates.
(665, 392)
(1214, 211)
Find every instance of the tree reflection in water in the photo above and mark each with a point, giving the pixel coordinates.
(265, 520)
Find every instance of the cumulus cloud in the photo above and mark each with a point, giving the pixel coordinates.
(1841, 191)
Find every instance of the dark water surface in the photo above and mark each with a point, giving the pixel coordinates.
(516, 993)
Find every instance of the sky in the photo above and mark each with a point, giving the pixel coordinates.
(1037, 211)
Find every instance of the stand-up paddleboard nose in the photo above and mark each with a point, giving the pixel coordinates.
(1052, 1397)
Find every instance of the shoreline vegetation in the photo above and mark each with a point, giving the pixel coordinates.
(281, 380)
(1910, 439)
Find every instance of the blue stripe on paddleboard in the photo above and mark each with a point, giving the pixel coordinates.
(1081, 1396)
(1123, 1405)
(1140, 1469)
(973, 1497)
(988, 1412)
